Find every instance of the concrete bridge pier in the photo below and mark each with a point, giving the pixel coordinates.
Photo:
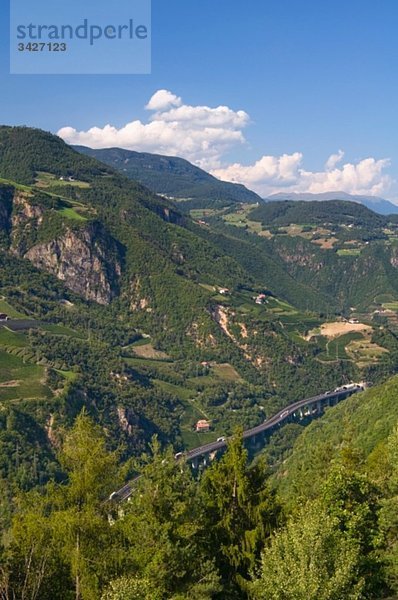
(301, 414)
(256, 441)
(195, 463)
(261, 438)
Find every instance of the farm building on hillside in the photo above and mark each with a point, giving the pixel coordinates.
(261, 298)
(202, 426)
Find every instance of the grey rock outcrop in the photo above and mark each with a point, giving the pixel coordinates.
(87, 259)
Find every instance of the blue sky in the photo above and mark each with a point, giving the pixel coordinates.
(312, 78)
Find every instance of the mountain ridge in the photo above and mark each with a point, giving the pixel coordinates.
(173, 177)
(375, 203)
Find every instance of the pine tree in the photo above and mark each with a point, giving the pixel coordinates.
(64, 546)
(349, 496)
(81, 521)
(239, 511)
(163, 530)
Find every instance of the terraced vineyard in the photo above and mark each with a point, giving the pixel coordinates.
(23, 372)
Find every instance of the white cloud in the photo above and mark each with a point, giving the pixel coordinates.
(334, 160)
(269, 171)
(285, 174)
(204, 135)
(199, 133)
(162, 100)
(365, 177)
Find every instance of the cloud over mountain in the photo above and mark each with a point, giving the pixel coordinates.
(273, 174)
(204, 135)
(200, 134)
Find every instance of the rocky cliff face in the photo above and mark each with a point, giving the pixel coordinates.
(299, 257)
(87, 259)
(24, 211)
(26, 218)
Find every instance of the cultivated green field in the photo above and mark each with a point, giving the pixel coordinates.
(10, 338)
(17, 186)
(192, 439)
(5, 307)
(226, 372)
(201, 213)
(44, 180)
(157, 366)
(391, 306)
(183, 393)
(67, 375)
(335, 349)
(21, 380)
(61, 330)
(240, 219)
(70, 213)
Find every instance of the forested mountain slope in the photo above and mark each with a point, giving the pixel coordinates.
(361, 425)
(304, 273)
(375, 203)
(339, 250)
(337, 212)
(174, 177)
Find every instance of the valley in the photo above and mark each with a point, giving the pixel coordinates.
(239, 342)
(172, 326)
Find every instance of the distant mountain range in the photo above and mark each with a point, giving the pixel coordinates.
(173, 177)
(379, 205)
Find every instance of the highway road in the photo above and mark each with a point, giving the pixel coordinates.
(281, 417)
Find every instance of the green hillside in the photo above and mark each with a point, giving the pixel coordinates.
(338, 251)
(315, 255)
(362, 423)
(339, 212)
(20, 159)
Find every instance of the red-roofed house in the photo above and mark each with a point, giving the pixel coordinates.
(202, 426)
